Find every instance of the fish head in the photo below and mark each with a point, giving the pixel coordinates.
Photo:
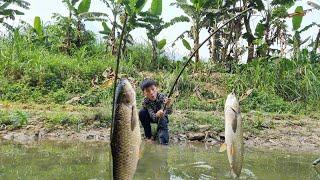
(232, 102)
(125, 93)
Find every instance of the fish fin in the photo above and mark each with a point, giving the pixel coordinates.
(133, 118)
(234, 121)
(223, 147)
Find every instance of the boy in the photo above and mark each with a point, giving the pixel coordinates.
(152, 111)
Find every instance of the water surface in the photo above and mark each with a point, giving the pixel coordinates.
(54, 160)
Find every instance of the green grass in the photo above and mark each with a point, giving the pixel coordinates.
(280, 85)
(31, 73)
(17, 115)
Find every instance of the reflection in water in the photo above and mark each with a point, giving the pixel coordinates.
(90, 161)
(153, 163)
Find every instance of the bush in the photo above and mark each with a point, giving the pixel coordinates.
(281, 85)
(15, 119)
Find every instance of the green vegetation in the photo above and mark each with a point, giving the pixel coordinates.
(63, 63)
(14, 119)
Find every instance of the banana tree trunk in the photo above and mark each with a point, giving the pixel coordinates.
(124, 46)
(196, 44)
(154, 51)
(250, 39)
(226, 46)
(79, 37)
(316, 43)
(267, 32)
(213, 47)
(68, 40)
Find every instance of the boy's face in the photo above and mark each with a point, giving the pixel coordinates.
(151, 92)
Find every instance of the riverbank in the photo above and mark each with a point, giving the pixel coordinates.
(69, 123)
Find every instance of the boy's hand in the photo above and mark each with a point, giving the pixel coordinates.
(160, 114)
(168, 101)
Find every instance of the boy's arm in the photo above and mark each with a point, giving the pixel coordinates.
(152, 114)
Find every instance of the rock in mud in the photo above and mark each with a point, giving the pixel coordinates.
(193, 136)
(213, 134)
(74, 100)
(30, 127)
(90, 136)
(182, 137)
(221, 136)
(212, 141)
(203, 128)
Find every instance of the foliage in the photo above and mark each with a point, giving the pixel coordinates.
(154, 25)
(278, 83)
(14, 119)
(7, 13)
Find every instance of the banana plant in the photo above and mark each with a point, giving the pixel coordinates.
(119, 9)
(109, 33)
(39, 31)
(74, 22)
(131, 11)
(317, 40)
(272, 27)
(224, 46)
(154, 24)
(195, 11)
(8, 13)
(296, 40)
(249, 34)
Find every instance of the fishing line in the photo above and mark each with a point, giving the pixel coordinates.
(117, 71)
(114, 90)
(197, 49)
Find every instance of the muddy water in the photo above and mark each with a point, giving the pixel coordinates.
(54, 160)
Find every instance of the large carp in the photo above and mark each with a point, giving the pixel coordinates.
(233, 134)
(125, 137)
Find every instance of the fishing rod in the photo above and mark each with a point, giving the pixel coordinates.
(197, 49)
(116, 72)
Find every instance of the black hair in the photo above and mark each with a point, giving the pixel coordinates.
(147, 83)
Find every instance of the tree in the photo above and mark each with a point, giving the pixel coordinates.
(73, 24)
(249, 35)
(317, 40)
(7, 13)
(195, 11)
(154, 25)
(116, 10)
(110, 34)
(272, 27)
(223, 46)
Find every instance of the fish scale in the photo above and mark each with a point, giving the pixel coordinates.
(126, 137)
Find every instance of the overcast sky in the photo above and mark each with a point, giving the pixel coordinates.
(45, 9)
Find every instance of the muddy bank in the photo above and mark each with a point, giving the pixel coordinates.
(300, 136)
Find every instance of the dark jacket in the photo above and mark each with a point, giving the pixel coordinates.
(154, 106)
